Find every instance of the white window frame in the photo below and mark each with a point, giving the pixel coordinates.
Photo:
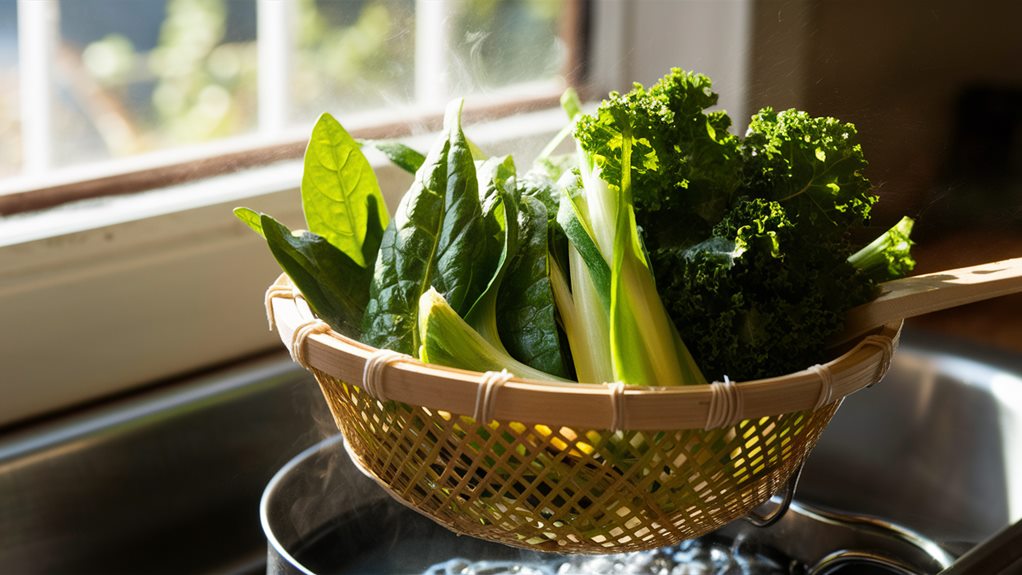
(104, 296)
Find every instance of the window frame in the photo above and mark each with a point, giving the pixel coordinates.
(40, 186)
(178, 166)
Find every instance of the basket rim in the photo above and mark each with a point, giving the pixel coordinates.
(572, 404)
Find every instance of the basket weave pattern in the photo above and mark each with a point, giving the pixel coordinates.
(559, 489)
(561, 481)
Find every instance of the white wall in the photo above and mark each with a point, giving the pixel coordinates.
(640, 40)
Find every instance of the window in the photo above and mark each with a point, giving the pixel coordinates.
(199, 106)
(105, 80)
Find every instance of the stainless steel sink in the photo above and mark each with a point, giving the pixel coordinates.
(164, 482)
(936, 446)
(169, 480)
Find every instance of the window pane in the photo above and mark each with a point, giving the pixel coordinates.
(10, 133)
(496, 43)
(352, 55)
(107, 79)
(138, 76)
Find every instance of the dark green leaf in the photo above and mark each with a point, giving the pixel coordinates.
(759, 299)
(497, 181)
(685, 164)
(526, 312)
(812, 166)
(500, 217)
(336, 287)
(403, 157)
(432, 241)
(464, 265)
(405, 264)
(374, 234)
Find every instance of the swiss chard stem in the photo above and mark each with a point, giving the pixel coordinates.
(448, 340)
(889, 256)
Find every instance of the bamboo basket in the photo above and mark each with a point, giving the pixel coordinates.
(570, 467)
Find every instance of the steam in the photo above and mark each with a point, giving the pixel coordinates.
(326, 485)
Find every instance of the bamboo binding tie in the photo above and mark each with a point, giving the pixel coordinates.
(726, 404)
(372, 373)
(489, 383)
(826, 394)
(886, 346)
(275, 291)
(616, 391)
(301, 333)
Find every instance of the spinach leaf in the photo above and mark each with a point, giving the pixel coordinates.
(500, 217)
(336, 287)
(525, 311)
(336, 180)
(403, 156)
(539, 185)
(432, 241)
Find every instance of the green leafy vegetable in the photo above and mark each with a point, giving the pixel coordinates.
(500, 213)
(336, 287)
(685, 164)
(663, 233)
(331, 265)
(754, 300)
(812, 166)
(644, 346)
(447, 339)
(433, 241)
(335, 182)
(748, 239)
(526, 313)
(888, 257)
(403, 156)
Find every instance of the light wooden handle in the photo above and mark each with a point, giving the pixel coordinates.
(918, 295)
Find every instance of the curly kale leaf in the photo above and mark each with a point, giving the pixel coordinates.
(757, 299)
(685, 164)
(813, 167)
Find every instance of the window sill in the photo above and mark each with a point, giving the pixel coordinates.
(106, 294)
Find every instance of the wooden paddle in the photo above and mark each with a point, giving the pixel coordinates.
(918, 295)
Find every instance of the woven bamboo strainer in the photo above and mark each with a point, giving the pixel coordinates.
(573, 467)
